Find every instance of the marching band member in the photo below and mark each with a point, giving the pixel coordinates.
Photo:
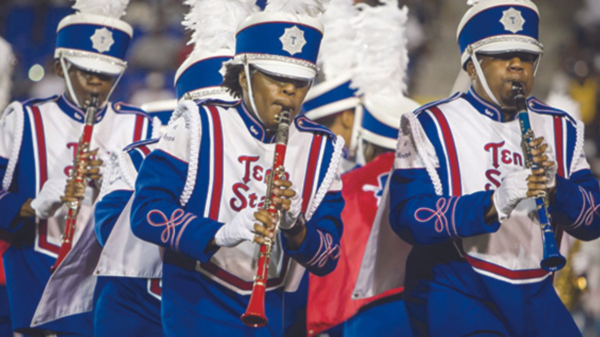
(38, 143)
(333, 103)
(462, 194)
(380, 78)
(129, 302)
(6, 69)
(200, 193)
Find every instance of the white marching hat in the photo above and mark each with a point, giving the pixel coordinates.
(499, 26)
(94, 38)
(213, 25)
(283, 40)
(337, 60)
(381, 72)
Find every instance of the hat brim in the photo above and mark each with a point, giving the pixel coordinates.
(284, 69)
(96, 65)
(503, 47)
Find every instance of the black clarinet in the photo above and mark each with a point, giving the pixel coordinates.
(552, 260)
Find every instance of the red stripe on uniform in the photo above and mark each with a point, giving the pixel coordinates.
(43, 164)
(41, 144)
(510, 274)
(139, 127)
(43, 238)
(155, 287)
(451, 149)
(311, 169)
(145, 150)
(558, 145)
(241, 284)
(218, 168)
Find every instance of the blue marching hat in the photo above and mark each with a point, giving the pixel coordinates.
(282, 44)
(94, 42)
(201, 76)
(330, 97)
(499, 26)
(381, 118)
(337, 61)
(381, 72)
(213, 26)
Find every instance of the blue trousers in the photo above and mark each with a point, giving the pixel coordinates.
(5, 327)
(125, 308)
(451, 299)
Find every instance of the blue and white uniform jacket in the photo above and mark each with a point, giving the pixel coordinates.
(38, 141)
(124, 255)
(211, 164)
(454, 153)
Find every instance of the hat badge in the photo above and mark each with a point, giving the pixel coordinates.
(512, 20)
(293, 40)
(102, 40)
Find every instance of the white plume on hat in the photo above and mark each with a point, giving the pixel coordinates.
(301, 7)
(214, 23)
(337, 57)
(111, 8)
(382, 56)
(382, 62)
(6, 67)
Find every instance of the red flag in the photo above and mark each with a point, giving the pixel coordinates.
(330, 297)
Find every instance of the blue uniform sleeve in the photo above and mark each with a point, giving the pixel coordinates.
(575, 205)
(10, 204)
(419, 216)
(156, 214)
(320, 250)
(107, 211)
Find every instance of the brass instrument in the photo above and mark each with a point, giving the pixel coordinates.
(570, 287)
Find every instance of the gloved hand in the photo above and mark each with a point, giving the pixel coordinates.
(289, 218)
(48, 200)
(543, 155)
(552, 170)
(240, 229)
(512, 190)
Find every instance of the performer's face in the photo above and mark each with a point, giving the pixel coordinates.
(86, 83)
(500, 71)
(272, 94)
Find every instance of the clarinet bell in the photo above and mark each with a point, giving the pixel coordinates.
(552, 260)
(255, 316)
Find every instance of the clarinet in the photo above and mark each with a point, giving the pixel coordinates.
(255, 312)
(79, 164)
(552, 260)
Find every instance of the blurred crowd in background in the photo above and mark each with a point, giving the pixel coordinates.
(569, 76)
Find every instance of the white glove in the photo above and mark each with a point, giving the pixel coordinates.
(240, 229)
(289, 218)
(48, 200)
(512, 190)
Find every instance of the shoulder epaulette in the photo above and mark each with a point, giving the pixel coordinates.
(540, 107)
(36, 101)
(218, 102)
(303, 123)
(438, 102)
(159, 106)
(124, 108)
(140, 143)
(138, 151)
